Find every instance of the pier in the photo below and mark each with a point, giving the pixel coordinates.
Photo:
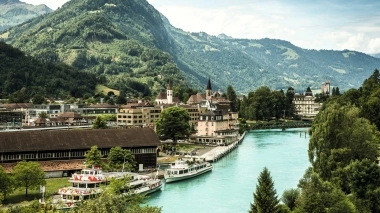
(220, 151)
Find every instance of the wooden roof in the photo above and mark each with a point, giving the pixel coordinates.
(25, 141)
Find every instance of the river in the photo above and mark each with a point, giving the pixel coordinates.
(230, 185)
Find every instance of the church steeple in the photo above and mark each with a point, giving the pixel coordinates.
(208, 85)
(169, 93)
(170, 86)
(208, 89)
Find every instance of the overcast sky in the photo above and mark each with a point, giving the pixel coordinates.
(309, 24)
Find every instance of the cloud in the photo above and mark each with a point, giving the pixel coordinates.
(374, 45)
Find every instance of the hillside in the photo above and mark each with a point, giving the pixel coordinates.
(14, 12)
(138, 50)
(115, 38)
(21, 77)
(248, 64)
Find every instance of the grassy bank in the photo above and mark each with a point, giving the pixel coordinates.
(52, 186)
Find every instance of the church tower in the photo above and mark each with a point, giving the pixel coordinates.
(169, 93)
(208, 89)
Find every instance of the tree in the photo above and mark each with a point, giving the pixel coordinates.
(333, 91)
(364, 178)
(28, 175)
(93, 157)
(261, 103)
(43, 115)
(338, 136)
(173, 123)
(289, 198)
(265, 198)
(6, 183)
(99, 123)
(121, 99)
(111, 201)
(231, 95)
(38, 99)
(318, 196)
(337, 92)
(119, 158)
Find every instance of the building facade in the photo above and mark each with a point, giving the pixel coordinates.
(58, 148)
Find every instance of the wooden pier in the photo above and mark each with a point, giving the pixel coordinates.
(221, 151)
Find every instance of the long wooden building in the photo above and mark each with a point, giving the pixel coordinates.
(64, 150)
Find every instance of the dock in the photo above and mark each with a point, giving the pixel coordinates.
(220, 151)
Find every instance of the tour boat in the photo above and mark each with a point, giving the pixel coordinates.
(145, 186)
(86, 185)
(183, 169)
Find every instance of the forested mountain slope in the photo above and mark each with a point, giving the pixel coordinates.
(248, 64)
(114, 38)
(138, 51)
(22, 77)
(14, 12)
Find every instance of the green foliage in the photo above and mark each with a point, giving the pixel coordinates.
(122, 98)
(265, 198)
(93, 157)
(28, 175)
(183, 93)
(243, 126)
(289, 197)
(122, 41)
(318, 196)
(119, 158)
(6, 184)
(38, 99)
(340, 135)
(43, 115)
(99, 123)
(112, 201)
(231, 95)
(264, 104)
(15, 12)
(364, 178)
(251, 63)
(173, 123)
(22, 77)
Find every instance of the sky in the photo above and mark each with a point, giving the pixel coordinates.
(309, 24)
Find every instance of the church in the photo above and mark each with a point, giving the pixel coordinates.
(167, 97)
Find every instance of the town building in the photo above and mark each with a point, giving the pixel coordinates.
(141, 114)
(167, 97)
(325, 88)
(61, 153)
(305, 105)
(11, 114)
(217, 128)
(144, 114)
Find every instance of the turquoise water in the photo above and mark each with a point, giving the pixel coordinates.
(230, 185)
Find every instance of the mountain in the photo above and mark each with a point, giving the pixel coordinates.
(14, 12)
(21, 77)
(247, 64)
(376, 55)
(118, 39)
(138, 50)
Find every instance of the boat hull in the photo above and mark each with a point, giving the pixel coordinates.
(175, 178)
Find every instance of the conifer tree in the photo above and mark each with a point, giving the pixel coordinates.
(265, 198)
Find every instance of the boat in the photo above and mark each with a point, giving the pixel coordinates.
(145, 186)
(183, 169)
(87, 185)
